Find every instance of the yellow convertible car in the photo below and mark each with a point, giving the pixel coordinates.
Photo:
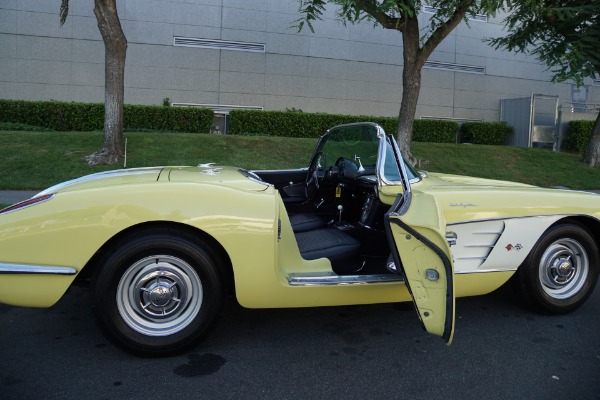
(162, 247)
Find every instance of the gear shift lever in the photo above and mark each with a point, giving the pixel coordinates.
(340, 209)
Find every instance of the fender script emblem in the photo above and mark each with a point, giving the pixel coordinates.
(463, 205)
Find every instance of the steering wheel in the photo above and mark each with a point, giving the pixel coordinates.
(344, 166)
(312, 176)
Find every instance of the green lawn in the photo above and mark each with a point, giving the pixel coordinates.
(36, 160)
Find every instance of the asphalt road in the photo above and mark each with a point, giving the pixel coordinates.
(500, 351)
(14, 196)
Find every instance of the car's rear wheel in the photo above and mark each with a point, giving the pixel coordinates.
(157, 293)
(562, 270)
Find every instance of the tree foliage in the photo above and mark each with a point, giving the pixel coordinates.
(418, 42)
(564, 35)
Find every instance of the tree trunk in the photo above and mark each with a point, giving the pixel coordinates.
(411, 87)
(115, 48)
(592, 152)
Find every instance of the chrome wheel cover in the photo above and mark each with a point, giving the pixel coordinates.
(159, 295)
(564, 268)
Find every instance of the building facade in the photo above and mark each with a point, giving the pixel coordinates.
(246, 53)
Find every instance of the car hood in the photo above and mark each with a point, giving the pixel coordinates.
(206, 174)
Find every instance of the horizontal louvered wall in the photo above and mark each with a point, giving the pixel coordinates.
(218, 44)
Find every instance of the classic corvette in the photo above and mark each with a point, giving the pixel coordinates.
(162, 247)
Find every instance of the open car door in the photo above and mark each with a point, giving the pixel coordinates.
(421, 254)
(416, 231)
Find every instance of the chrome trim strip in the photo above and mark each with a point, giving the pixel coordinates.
(28, 205)
(484, 271)
(253, 177)
(521, 217)
(258, 171)
(332, 279)
(100, 175)
(36, 269)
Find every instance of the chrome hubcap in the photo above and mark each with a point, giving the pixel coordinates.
(564, 267)
(159, 295)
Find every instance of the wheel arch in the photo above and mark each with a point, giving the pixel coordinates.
(591, 224)
(213, 246)
(527, 281)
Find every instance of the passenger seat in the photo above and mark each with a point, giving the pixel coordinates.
(306, 222)
(338, 246)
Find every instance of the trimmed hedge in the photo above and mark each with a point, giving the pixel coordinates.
(176, 119)
(313, 125)
(62, 116)
(55, 115)
(436, 131)
(291, 123)
(578, 134)
(493, 133)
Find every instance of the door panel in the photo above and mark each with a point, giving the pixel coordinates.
(291, 183)
(421, 253)
(283, 177)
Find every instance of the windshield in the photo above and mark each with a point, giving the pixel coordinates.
(358, 143)
(366, 147)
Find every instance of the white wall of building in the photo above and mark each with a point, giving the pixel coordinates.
(337, 69)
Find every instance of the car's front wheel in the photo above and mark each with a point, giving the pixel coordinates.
(562, 270)
(157, 293)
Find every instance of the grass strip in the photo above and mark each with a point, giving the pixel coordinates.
(36, 160)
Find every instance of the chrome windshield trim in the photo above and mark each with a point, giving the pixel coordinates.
(380, 167)
(385, 141)
(36, 269)
(331, 279)
(402, 164)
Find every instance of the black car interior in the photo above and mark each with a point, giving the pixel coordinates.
(335, 213)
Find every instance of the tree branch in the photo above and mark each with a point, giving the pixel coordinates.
(371, 8)
(444, 30)
(64, 11)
